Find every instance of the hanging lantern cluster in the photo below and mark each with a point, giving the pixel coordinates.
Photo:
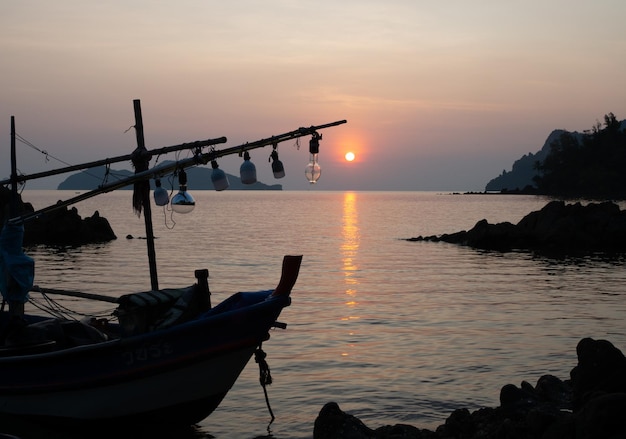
(183, 202)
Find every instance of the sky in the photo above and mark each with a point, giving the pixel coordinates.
(439, 96)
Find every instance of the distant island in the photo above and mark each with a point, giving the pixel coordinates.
(572, 164)
(198, 178)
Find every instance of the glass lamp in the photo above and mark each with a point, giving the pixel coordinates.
(183, 202)
(313, 171)
(277, 166)
(247, 171)
(161, 197)
(218, 177)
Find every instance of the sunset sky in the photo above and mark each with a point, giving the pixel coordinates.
(437, 95)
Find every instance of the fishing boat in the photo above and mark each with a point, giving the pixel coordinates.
(165, 355)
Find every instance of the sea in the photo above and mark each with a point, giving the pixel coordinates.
(393, 331)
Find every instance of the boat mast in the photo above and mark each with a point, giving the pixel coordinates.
(16, 307)
(13, 206)
(142, 194)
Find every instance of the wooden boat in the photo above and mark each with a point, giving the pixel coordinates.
(165, 356)
(141, 369)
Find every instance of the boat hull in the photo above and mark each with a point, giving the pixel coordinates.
(172, 376)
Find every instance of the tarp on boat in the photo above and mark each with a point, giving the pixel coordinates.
(17, 270)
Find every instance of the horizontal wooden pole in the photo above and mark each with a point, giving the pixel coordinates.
(82, 295)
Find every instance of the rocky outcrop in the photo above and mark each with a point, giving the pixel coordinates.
(591, 404)
(557, 228)
(60, 227)
(66, 227)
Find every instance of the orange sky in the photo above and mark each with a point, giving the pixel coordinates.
(438, 95)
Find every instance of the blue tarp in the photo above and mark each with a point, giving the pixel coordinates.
(17, 270)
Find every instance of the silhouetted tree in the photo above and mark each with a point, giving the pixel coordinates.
(592, 166)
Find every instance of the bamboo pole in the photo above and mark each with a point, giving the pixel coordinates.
(80, 294)
(13, 179)
(16, 307)
(144, 193)
(123, 158)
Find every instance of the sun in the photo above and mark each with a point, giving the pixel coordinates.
(350, 156)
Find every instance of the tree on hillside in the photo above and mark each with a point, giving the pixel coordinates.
(593, 167)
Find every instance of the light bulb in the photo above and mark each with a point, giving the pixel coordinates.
(161, 197)
(247, 171)
(218, 177)
(313, 170)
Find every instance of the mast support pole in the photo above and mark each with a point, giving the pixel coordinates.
(16, 307)
(145, 200)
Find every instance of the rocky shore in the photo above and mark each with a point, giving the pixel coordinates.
(557, 228)
(591, 404)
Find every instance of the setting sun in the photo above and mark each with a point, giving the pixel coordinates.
(350, 156)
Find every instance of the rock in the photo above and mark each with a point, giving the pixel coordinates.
(601, 369)
(333, 423)
(60, 227)
(602, 417)
(66, 227)
(556, 228)
(590, 405)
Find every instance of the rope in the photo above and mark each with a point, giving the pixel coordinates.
(265, 378)
(55, 309)
(49, 156)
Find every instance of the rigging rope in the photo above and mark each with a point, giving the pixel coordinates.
(49, 156)
(265, 378)
(56, 309)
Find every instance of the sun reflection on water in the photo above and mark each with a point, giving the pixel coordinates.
(349, 250)
(350, 245)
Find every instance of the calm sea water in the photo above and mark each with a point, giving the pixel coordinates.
(393, 331)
